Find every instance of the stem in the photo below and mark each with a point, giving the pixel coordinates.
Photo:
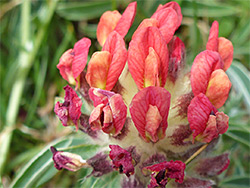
(26, 59)
(196, 154)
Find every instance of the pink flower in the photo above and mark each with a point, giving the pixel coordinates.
(110, 111)
(73, 61)
(148, 58)
(106, 66)
(221, 45)
(69, 112)
(207, 77)
(149, 111)
(114, 21)
(205, 121)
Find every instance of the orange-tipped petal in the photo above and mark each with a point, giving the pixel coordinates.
(73, 61)
(218, 88)
(108, 126)
(139, 50)
(126, 20)
(226, 50)
(167, 22)
(115, 45)
(159, 98)
(152, 64)
(204, 64)
(174, 6)
(106, 25)
(98, 69)
(212, 43)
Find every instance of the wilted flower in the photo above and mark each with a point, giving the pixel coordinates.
(173, 114)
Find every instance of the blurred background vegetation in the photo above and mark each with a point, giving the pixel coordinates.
(34, 34)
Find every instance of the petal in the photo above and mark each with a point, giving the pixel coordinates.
(139, 50)
(204, 64)
(81, 50)
(222, 122)
(167, 22)
(155, 96)
(96, 117)
(212, 43)
(121, 159)
(176, 57)
(119, 111)
(126, 20)
(106, 25)
(226, 51)
(115, 45)
(108, 126)
(153, 120)
(149, 22)
(174, 6)
(211, 131)
(213, 166)
(65, 66)
(199, 112)
(98, 69)
(99, 96)
(70, 110)
(218, 88)
(152, 64)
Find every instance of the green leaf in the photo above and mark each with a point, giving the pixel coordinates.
(40, 169)
(239, 135)
(208, 9)
(239, 76)
(106, 181)
(79, 11)
(236, 181)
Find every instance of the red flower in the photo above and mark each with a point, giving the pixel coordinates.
(161, 172)
(207, 77)
(122, 160)
(106, 66)
(73, 61)
(69, 112)
(148, 58)
(204, 119)
(114, 21)
(110, 111)
(149, 111)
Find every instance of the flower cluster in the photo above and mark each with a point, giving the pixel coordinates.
(154, 114)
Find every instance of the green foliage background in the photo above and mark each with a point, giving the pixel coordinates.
(34, 34)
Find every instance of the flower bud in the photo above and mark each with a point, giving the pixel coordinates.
(69, 161)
